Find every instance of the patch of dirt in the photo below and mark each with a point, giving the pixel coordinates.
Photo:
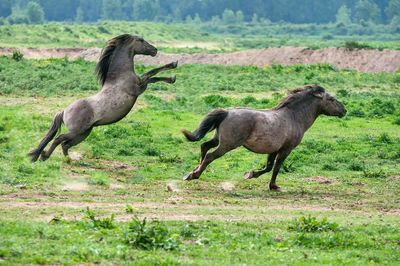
(173, 187)
(359, 59)
(321, 180)
(76, 182)
(116, 186)
(116, 165)
(75, 156)
(395, 178)
(75, 185)
(173, 209)
(227, 186)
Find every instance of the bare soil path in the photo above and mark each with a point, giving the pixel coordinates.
(359, 59)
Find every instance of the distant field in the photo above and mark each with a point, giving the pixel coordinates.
(346, 170)
(199, 38)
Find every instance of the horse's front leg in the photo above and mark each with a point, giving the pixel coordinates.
(169, 80)
(146, 76)
(268, 167)
(282, 155)
(144, 83)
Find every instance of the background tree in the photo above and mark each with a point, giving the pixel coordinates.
(34, 13)
(18, 15)
(393, 9)
(239, 16)
(368, 11)
(292, 11)
(254, 18)
(228, 17)
(146, 9)
(79, 15)
(112, 9)
(343, 15)
(197, 19)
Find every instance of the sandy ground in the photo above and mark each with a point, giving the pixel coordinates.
(361, 60)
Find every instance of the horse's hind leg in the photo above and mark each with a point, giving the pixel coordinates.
(268, 167)
(46, 154)
(74, 141)
(221, 150)
(206, 146)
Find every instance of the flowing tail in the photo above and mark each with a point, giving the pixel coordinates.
(210, 122)
(55, 126)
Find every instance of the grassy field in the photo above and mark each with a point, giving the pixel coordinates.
(204, 37)
(339, 204)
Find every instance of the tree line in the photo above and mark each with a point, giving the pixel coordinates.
(224, 11)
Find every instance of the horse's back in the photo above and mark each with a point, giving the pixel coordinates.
(264, 131)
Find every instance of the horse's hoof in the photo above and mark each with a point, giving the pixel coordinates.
(189, 177)
(43, 156)
(173, 79)
(248, 175)
(274, 187)
(67, 159)
(175, 64)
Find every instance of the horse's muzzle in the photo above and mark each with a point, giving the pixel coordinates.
(343, 113)
(154, 52)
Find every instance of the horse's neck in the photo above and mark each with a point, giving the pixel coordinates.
(122, 66)
(306, 115)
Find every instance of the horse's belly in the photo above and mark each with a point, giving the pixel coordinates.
(265, 139)
(114, 111)
(261, 145)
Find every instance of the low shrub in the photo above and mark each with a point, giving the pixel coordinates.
(215, 101)
(105, 223)
(150, 235)
(352, 45)
(17, 55)
(312, 224)
(356, 166)
(374, 174)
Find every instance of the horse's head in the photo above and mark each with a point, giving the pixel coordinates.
(328, 104)
(140, 46)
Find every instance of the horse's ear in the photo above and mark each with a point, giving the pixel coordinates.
(319, 95)
(318, 91)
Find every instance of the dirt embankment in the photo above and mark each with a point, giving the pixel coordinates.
(361, 60)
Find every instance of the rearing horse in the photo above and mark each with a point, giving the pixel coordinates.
(121, 86)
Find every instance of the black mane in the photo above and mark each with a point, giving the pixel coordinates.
(106, 56)
(299, 94)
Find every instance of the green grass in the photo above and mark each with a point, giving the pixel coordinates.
(340, 198)
(208, 242)
(205, 37)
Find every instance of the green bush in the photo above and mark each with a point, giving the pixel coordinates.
(105, 223)
(188, 230)
(356, 166)
(374, 174)
(216, 101)
(312, 224)
(17, 55)
(385, 138)
(352, 45)
(150, 235)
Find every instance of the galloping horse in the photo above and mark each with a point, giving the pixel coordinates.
(275, 132)
(121, 86)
